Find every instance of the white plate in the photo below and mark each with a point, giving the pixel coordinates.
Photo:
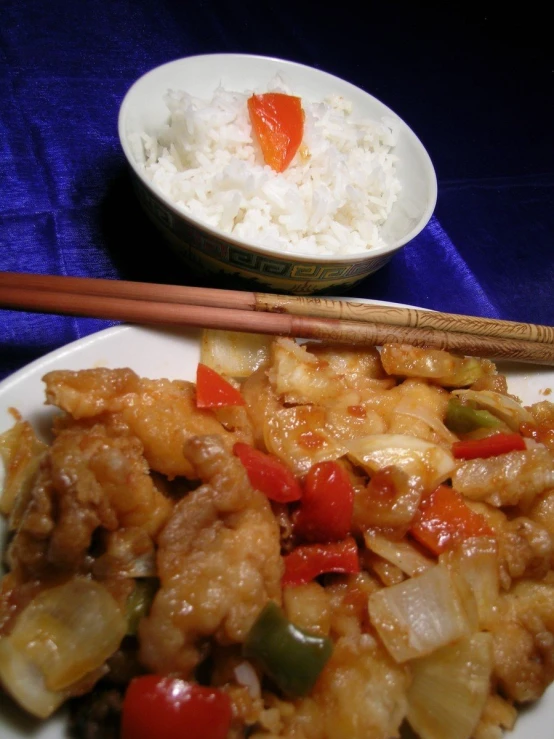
(174, 354)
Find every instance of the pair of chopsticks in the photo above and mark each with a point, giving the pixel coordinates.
(320, 318)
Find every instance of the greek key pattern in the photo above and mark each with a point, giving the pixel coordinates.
(263, 264)
(248, 263)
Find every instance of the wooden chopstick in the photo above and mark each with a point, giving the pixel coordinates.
(68, 296)
(315, 306)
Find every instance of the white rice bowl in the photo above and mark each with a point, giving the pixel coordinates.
(333, 199)
(361, 187)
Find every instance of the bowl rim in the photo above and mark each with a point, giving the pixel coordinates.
(216, 233)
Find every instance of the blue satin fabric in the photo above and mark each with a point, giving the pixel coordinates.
(475, 88)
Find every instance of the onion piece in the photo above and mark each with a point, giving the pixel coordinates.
(416, 457)
(411, 407)
(247, 676)
(419, 615)
(25, 682)
(477, 561)
(63, 635)
(450, 687)
(234, 353)
(503, 406)
(403, 553)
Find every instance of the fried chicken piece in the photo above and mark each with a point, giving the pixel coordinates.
(358, 367)
(523, 640)
(542, 512)
(91, 392)
(361, 694)
(515, 478)
(301, 374)
(161, 413)
(21, 452)
(218, 562)
(88, 480)
(525, 546)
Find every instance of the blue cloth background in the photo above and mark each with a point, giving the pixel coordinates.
(476, 86)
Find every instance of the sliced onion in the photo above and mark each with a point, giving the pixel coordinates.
(25, 682)
(247, 676)
(416, 457)
(502, 406)
(419, 615)
(476, 560)
(403, 553)
(233, 353)
(63, 635)
(409, 406)
(450, 687)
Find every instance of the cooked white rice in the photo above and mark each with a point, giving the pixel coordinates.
(332, 199)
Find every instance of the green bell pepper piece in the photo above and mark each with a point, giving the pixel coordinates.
(463, 418)
(139, 602)
(290, 656)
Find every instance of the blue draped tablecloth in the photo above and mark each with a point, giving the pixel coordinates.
(476, 86)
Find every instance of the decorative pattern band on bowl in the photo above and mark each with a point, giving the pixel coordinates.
(207, 253)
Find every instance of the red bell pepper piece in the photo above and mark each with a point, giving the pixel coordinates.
(268, 474)
(170, 708)
(444, 520)
(278, 122)
(327, 503)
(489, 446)
(213, 390)
(305, 563)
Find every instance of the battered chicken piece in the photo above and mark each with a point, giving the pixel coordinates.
(417, 409)
(525, 547)
(298, 376)
(91, 392)
(218, 562)
(542, 511)
(361, 694)
(161, 413)
(358, 368)
(21, 452)
(515, 478)
(523, 639)
(88, 480)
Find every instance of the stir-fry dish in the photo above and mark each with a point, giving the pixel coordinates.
(309, 541)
